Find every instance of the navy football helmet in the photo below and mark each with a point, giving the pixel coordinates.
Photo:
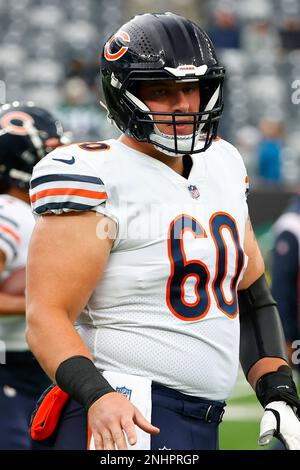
(27, 134)
(162, 47)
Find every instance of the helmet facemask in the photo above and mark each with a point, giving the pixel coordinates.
(143, 123)
(201, 122)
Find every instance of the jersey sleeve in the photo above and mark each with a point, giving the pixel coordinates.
(244, 184)
(10, 236)
(243, 172)
(239, 168)
(62, 182)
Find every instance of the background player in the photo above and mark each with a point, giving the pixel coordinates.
(146, 317)
(27, 133)
(285, 273)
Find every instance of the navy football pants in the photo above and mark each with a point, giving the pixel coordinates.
(15, 414)
(186, 423)
(21, 383)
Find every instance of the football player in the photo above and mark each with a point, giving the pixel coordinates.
(285, 273)
(27, 133)
(285, 278)
(147, 244)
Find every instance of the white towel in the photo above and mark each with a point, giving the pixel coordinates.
(138, 391)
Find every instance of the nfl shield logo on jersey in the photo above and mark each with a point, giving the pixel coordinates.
(194, 191)
(125, 391)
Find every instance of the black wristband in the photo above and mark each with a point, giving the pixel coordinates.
(278, 386)
(79, 377)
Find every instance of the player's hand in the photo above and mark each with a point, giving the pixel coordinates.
(111, 418)
(279, 420)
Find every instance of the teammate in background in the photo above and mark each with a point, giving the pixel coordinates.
(286, 275)
(27, 133)
(155, 300)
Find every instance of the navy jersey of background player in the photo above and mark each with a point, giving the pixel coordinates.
(286, 271)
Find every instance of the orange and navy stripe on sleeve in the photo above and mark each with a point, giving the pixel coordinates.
(9, 236)
(66, 192)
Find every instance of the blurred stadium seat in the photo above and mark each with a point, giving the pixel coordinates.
(46, 42)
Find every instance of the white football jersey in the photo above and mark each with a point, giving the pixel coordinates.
(16, 225)
(166, 307)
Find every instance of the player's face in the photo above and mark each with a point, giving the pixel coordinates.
(171, 97)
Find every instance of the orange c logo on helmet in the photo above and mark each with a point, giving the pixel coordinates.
(116, 55)
(26, 120)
